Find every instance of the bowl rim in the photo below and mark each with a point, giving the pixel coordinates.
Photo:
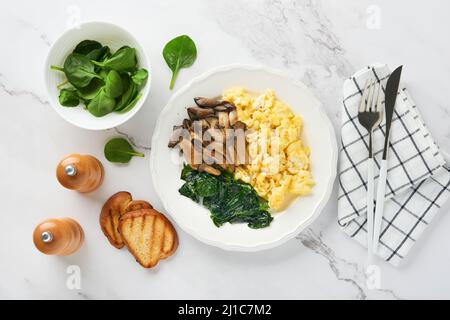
(126, 116)
(262, 245)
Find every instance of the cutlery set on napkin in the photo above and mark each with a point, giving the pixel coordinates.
(384, 143)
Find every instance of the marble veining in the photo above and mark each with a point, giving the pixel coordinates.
(132, 140)
(20, 92)
(344, 270)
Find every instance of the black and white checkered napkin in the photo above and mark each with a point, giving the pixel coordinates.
(418, 180)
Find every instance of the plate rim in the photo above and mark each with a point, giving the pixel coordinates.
(262, 245)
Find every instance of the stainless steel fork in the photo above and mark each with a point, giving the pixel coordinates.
(369, 116)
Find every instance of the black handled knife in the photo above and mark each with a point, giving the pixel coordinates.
(390, 96)
(389, 104)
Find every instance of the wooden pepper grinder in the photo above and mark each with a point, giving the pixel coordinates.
(83, 173)
(58, 236)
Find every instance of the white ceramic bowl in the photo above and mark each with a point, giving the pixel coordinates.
(108, 34)
(318, 133)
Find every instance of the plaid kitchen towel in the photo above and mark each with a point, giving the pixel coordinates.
(418, 180)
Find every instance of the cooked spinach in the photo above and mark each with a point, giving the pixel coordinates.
(227, 199)
(120, 150)
(179, 52)
(103, 81)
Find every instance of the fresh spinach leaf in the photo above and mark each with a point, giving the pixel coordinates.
(87, 46)
(105, 82)
(140, 78)
(113, 84)
(101, 105)
(99, 54)
(131, 96)
(69, 97)
(120, 150)
(79, 70)
(103, 73)
(91, 90)
(126, 79)
(123, 60)
(131, 104)
(179, 52)
(56, 68)
(62, 84)
(127, 97)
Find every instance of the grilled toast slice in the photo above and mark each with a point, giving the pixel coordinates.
(136, 205)
(113, 208)
(148, 235)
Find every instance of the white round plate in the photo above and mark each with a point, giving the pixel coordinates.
(318, 134)
(107, 34)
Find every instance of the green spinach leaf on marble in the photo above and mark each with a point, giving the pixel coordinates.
(178, 53)
(120, 150)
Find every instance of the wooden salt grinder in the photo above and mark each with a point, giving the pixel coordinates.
(83, 173)
(58, 236)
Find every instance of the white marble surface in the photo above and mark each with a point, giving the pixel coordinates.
(318, 42)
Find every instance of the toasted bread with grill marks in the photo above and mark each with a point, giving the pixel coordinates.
(136, 205)
(148, 235)
(113, 208)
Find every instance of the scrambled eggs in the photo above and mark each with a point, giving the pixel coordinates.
(279, 165)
